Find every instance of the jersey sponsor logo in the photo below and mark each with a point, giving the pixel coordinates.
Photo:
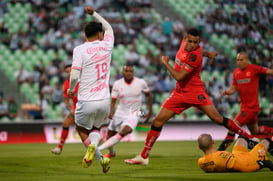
(243, 114)
(193, 57)
(202, 98)
(178, 62)
(92, 50)
(98, 88)
(208, 164)
(243, 81)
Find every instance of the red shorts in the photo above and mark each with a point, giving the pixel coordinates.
(178, 102)
(247, 117)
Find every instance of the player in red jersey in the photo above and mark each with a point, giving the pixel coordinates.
(246, 81)
(70, 118)
(189, 91)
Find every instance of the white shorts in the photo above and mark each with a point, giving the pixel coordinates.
(89, 114)
(119, 121)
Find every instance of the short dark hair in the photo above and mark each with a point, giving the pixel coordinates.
(193, 32)
(92, 28)
(127, 64)
(68, 65)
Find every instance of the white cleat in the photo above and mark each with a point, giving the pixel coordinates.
(138, 160)
(56, 151)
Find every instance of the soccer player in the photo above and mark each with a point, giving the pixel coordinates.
(91, 66)
(69, 119)
(239, 160)
(128, 90)
(246, 81)
(189, 91)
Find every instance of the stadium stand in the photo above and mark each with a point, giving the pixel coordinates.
(150, 28)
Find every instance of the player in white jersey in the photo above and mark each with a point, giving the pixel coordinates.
(91, 66)
(128, 90)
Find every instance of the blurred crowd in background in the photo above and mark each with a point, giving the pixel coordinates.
(142, 35)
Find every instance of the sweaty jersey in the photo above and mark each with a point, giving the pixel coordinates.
(93, 59)
(74, 97)
(129, 95)
(191, 62)
(247, 82)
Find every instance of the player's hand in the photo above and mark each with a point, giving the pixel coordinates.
(212, 54)
(165, 59)
(89, 10)
(110, 116)
(72, 112)
(69, 93)
(224, 93)
(147, 117)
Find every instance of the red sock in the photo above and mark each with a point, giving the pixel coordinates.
(64, 135)
(265, 130)
(231, 125)
(150, 140)
(230, 136)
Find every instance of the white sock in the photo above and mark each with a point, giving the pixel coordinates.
(110, 142)
(95, 138)
(111, 150)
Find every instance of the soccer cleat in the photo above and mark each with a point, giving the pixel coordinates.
(225, 143)
(56, 151)
(108, 155)
(270, 151)
(89, 156)
(137, 160)
(252, 142)
(105, 163)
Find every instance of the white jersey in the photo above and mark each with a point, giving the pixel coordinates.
(93, 59)
(129, 95)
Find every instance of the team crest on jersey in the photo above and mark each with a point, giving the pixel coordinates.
(248, 74)
(193, 57)
(202, 98)
(243, 114)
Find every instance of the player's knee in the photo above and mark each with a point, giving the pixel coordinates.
(157, 121)
(125, 131)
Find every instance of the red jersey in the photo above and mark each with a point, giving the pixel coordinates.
(191, 62)
(74, 98)
(247, 82)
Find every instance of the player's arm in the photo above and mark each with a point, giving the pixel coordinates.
(150, 106)
(178, 76)
(269, 72)
(230, 91)
(112, 107)
(74, 77)
(211, 54)
(105, 25)
(67, 104)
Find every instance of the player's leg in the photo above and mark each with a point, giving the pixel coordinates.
(266, 130)
(99, 119)
(125, 130)
(68, 120)
(214, 115)
(157, 123)
(113, 128)
(240, 118)
(103, 146)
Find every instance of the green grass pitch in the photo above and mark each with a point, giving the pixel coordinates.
(168, 161)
